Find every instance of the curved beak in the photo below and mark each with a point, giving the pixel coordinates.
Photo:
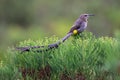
(91, 15)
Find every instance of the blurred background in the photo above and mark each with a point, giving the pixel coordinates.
(35, 19)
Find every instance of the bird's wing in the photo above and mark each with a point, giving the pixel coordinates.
(73, 28)
(76, 26)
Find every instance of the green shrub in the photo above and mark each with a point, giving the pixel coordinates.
(83, 56)
(9, 72)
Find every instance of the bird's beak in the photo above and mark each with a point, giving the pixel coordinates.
(91, 15)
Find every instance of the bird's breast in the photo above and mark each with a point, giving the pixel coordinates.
(84, 25)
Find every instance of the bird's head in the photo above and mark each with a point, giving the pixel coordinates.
(84, 17)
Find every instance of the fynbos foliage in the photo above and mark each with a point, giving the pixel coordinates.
(83, 57)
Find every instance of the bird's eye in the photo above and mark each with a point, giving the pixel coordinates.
(85, 15)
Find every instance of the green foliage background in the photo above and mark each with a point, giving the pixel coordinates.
(27, 20)
(86, 54)
(36, 19)
(23, 19)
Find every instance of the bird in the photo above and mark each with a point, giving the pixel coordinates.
(79, 26)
